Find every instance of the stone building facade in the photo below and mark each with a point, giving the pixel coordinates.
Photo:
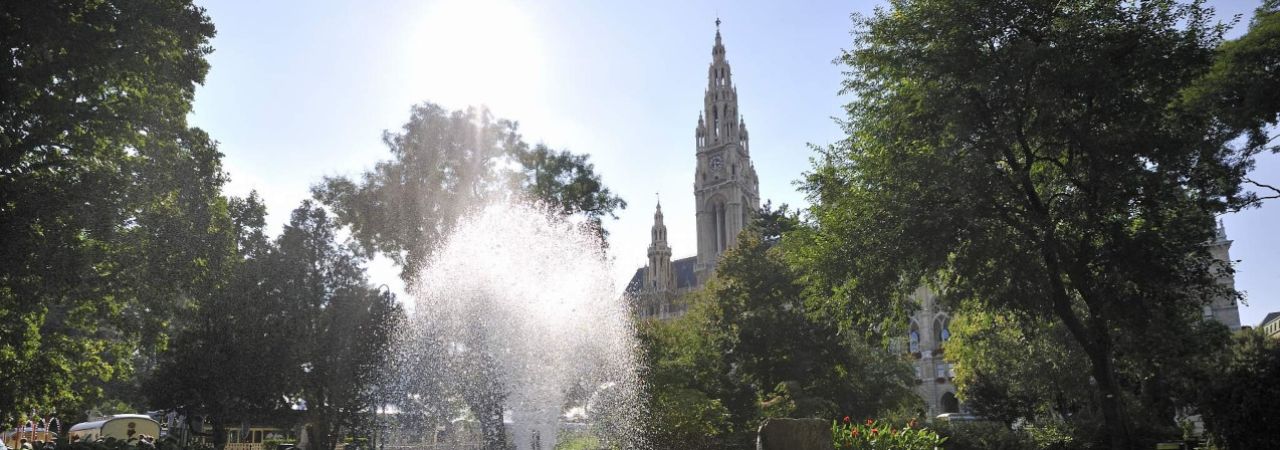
(1270, 325)
(927, 333)
(726, 194)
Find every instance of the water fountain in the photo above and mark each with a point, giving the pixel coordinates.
(516, 311)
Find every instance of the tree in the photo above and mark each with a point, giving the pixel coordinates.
(1009, 369)
(1236, 405)
(567, 182)
(95, 160)
(1239, 91)
(343, 328)
(772, 223)
(750, 347)
(446, 164)
(232, 360)
(1031, 157)
(776, 343)
(693, 400)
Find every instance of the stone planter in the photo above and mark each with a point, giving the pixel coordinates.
(794, 434)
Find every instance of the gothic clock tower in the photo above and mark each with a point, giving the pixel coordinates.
(725, 186)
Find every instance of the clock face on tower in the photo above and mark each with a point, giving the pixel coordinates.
(717, 163)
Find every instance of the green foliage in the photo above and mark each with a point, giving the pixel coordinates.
(1240, 88)
(876, 435)
(684, 415)
(229, 361)
(691, 395)
(342, 326)
(772, 223)
(445, 164)
(749, 348)
(1031, 158)
(1238, 403)
(1057, 435)
(983, 436)
(110, 211)
(297, 323)
(577, 441)
(567, 182)
(772, 339)
(1008, 370)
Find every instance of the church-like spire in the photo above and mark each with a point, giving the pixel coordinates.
(719, 121)
(659, 233)
(660, 274)
(725, 184)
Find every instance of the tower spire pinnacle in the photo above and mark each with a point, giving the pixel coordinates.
(718, 45)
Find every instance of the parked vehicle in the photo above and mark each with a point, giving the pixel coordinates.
(958, 417)
(120, 426)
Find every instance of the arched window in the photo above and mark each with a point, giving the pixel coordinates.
(722, 231)
(941, 330)
(949, 403)
(913, 338)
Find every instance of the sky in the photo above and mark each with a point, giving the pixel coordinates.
(299, 90)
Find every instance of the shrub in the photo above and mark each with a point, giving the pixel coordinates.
(1238, 403)
(983, 436)
(272, 444)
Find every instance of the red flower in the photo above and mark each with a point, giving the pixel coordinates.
(853, 432)
(874, 431)
(869, 422)
(846, 419)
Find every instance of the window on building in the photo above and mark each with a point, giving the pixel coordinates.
(949, 403)
(913, 339)
(941, 330)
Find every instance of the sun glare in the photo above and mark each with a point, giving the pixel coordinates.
(470, 52)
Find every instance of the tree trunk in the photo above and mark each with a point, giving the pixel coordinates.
(219, 434)
(492, 430)
(1095, 339)
(322, 435)
(1114, 423)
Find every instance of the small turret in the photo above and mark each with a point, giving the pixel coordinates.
(660, 275)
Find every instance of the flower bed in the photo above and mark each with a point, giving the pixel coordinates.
(880, 435)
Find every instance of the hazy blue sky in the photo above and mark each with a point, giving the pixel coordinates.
(299, 90)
